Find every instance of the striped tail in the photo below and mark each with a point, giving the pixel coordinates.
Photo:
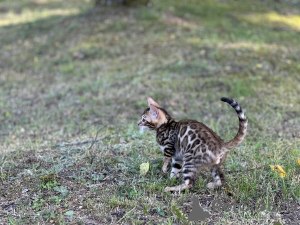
(243, 123)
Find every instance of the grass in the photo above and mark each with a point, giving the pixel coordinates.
(75, 80)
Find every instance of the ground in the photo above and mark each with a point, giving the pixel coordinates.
(74, 81)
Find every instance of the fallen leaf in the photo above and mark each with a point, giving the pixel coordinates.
(68, 112)
(117, 38)
(107, 178)
(261, 152)
(288, 61)
(144, 168)
(172, 36)
(172, 103)
(229, 192)
(79, 55)
(279, 170)
(259, 65)
(69, 213)
(298, 161)
(7, 114)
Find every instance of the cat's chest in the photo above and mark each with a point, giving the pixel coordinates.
(166, 138)
(162, 148)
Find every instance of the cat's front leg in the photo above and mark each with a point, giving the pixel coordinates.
(167, 164)
(168, 153)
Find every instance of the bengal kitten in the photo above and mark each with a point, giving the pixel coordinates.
(190, 144)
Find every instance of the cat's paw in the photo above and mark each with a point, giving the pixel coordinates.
(166, 167)
(210, 185)
(167, 189)
(176, 175)
(178, 188)
(164, 170)
(213, 185)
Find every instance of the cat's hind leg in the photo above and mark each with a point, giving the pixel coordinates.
(176, 168)
(218, 177)
(189, 172)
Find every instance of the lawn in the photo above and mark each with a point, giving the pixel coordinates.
(74, 81)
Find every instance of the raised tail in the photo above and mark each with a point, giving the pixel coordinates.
(242, 125)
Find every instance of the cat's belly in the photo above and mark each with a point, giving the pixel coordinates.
(178, 157)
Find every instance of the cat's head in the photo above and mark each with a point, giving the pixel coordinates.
(153, 117)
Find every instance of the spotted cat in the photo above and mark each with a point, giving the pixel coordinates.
(190, 145)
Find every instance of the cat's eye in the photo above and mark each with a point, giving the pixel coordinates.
(143, 120)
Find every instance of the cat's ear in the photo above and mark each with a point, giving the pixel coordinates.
(152, 102)
(153, 111)
(153, 108)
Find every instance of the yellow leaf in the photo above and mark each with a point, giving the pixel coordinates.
(229, 192)
(116, 37)
(259, 65)
(3, 175)
(298, 161)
(144, 168)
(172, 36)
(7, 114)
(279, 170)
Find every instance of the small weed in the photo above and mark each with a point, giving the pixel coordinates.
(15, 221)
(48, 215)
(3, 176)
(38, 203)
(61, 190)
(56, 199)
(49, 185)
(12, 221)
(159, 210)
(48, 178)
(67, 68)
(179, 214)
(241, 88)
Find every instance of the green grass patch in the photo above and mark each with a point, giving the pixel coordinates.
(75, 80)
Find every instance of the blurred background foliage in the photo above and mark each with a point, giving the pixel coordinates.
(69, 68)
(66, 65)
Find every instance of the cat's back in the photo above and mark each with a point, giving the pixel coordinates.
(197, 129)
